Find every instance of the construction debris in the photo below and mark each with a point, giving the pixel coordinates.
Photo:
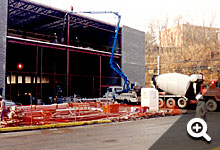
(74, 112)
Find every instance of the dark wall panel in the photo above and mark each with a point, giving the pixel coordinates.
(133, 54)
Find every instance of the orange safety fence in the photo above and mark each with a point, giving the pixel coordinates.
(73, 112)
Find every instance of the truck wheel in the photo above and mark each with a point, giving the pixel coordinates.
(211, 105)
(181, 102)
(171, 102)
(126, 101)
(160, 103)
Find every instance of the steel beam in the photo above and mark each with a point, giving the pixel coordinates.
(68, 52)
(36, 71)
(100, 76)
(59, 46)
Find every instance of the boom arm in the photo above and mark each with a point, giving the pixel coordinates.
(114, 65)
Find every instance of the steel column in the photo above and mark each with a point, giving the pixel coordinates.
(93, 86)
(36, 71)
(54, 78)
(68, 52)
(41, 71)
(68, 29)
(100, 76)
(10, 85)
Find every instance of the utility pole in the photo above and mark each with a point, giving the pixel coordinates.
(158, 65)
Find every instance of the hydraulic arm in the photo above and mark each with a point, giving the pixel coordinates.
(114, 65)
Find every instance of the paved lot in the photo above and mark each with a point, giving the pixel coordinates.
(157, 133)
(176, 138)
(137, 135)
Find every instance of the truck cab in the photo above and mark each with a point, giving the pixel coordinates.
(212, 94)
(111, 91)
(117, 94)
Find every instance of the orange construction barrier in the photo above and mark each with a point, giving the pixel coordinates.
(112, 108)
(80, 111)
(45, 107)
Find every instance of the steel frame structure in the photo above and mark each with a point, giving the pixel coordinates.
(32, 17)
(42, 18)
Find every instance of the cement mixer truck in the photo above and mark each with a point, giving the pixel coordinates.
(177, 89)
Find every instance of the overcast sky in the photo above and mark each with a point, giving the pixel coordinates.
(139, 13)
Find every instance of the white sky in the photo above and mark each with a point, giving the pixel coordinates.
(139, 13)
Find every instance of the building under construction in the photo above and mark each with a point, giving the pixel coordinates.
(78, 63)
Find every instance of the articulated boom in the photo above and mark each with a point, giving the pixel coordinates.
(114, 65)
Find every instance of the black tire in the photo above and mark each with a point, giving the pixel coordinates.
(160, 103)
(181, 102)
(211, 105)
(170, 102)
(126, 101)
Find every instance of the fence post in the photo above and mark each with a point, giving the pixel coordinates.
(75, 107)
(107, 103)
(31, 107)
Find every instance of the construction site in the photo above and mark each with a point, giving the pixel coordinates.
(64, 69)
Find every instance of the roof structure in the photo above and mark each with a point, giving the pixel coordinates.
(34, 17)
(41, 22)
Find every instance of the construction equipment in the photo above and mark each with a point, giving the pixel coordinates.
(116, 93)
(114, 65)
(111, 91)
(211, 95)
(175, 88)
(130, 92)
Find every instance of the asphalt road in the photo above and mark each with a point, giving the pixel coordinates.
(156, 133)
(176, 137)
(136, 135)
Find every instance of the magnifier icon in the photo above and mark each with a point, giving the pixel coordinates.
(197, 128)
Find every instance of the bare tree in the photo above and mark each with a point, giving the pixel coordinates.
(183, 48)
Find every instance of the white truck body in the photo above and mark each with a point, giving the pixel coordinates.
(130, 97)
(176, 87)
(111, 91)
(173, 83)
(115, 93)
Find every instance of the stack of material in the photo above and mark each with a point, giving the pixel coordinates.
(171, 110)
(13, 117)
(47, 114)
(70, 112)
